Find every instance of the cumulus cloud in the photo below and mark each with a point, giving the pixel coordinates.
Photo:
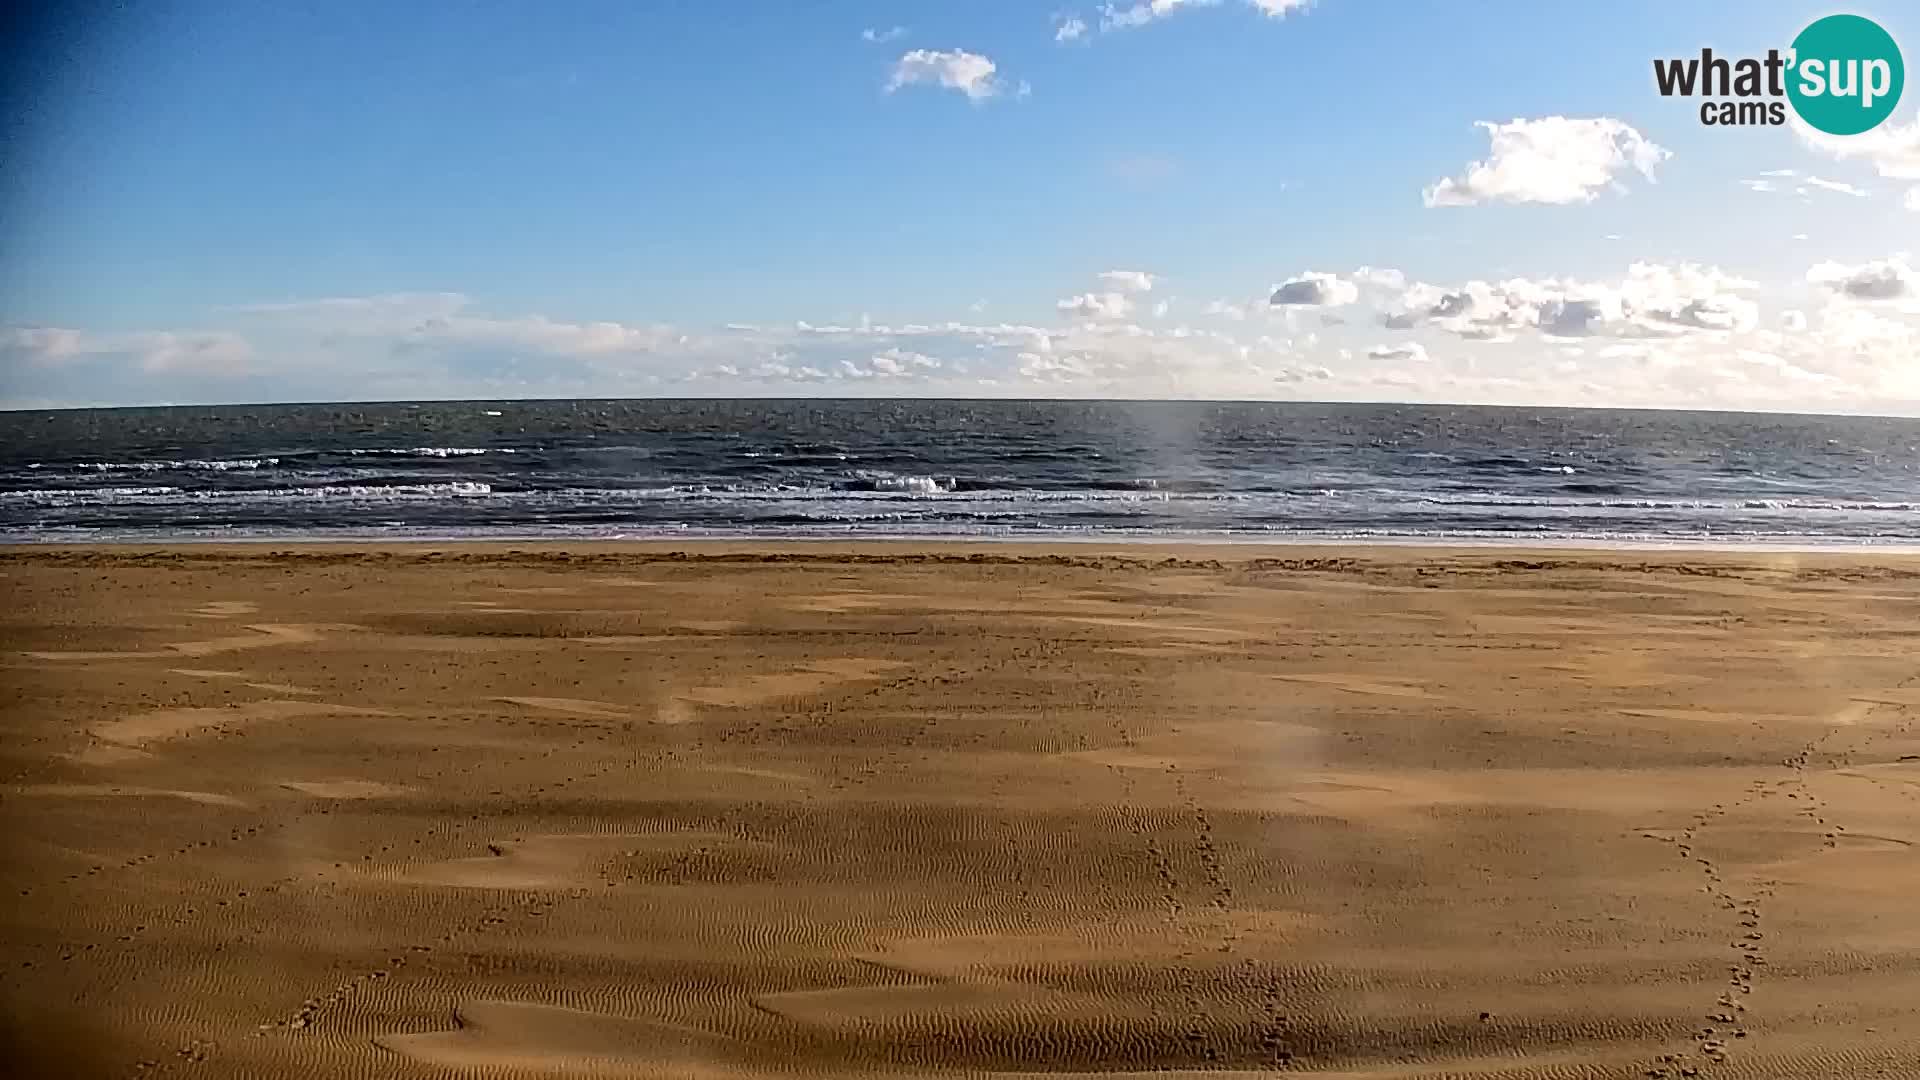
(1314, 289)
(1653, 299)
(881, 37)
(1883, 279)
(1379, 277)
(1673, 334)
(1102, 305)
(969, 73)
(1892, 149)
(1069, 28)
(1133, 281)
(1554, 160)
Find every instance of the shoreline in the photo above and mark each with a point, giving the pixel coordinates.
(1088, 551)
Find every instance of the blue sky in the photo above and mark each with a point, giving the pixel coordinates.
(353, 200)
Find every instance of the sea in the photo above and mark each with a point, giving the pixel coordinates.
(1051, 470)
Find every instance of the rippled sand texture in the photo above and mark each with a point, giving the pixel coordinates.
(865, 813)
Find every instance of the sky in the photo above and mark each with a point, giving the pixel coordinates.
(1233, 199)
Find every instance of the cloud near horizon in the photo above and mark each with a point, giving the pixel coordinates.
(1660, 334)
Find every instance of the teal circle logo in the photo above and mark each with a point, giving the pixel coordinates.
(1846, 74)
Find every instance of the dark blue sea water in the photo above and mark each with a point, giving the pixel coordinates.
(956, 468)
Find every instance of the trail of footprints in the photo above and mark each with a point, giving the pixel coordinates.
(1727, 1019)
(225, 901)
(533, 905)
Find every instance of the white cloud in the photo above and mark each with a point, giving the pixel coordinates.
(1554, 159)
(1411, 351)
(1133, 281)
(1069, 28)
(1379, 277)
(378, 314)
(1652, 300)
(1113, 17)
(881, 37)
(1279, 9)
(1892, 149)
(1835, 185)
(1314, 289)
(1104, 305)
(969, 73)
(889, 364)
(1141, 12)
(153, 352)
(1883, 279)
(1804, 188)
(1659, 334)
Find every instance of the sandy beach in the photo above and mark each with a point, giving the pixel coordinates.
(878, 810)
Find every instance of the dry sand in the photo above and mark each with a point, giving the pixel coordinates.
(881, 811)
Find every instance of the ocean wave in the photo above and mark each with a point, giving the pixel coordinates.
(934, 492)
(868, 480)
(51, 494)
(430, 451)
(182, 465)
(367, 492)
